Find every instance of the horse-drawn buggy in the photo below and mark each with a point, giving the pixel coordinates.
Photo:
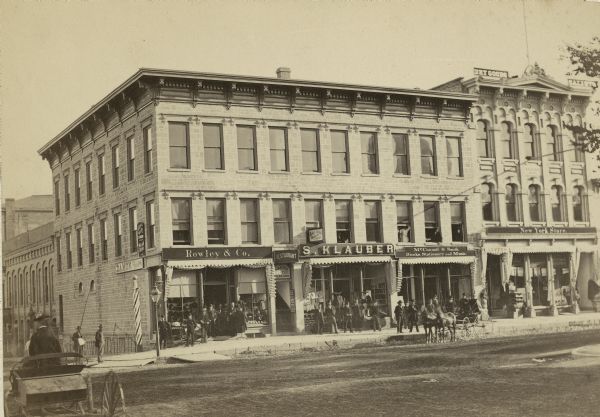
(468, 317)
(54, 384)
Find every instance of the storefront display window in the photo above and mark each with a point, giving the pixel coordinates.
(183, 296)
(539, 279)
(562, 283)
(252, 291)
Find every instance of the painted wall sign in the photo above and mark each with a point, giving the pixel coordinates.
(486, 72)
(541, 230)
(573, 82)
(141, 239)
(241, 252)
(345, 249)
(285, 256)
(431, 251)
(127, 266)
(315, 235)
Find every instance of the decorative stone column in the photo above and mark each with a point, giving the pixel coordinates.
(271, 290)
(528, 287)
(552, 310)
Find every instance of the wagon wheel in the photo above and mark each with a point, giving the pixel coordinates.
(112, 396)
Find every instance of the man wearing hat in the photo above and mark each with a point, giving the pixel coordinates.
(99, 342)
(399, 315)
(43, 341)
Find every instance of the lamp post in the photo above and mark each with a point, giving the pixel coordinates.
(155, 294)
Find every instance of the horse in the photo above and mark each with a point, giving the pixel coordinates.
(447, 321)
(430, 323)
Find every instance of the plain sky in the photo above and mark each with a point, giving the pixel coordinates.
(58, 58)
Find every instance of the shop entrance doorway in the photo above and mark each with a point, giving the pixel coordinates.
(215, 288)
(538, 270)
(497, 296)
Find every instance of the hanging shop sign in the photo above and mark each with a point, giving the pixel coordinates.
(141, 239)
(345, 249)
(542, 230)
(127, 266)
(314, 235)
(491, 73)
(431, 251)
(285, 256)
(242, 252)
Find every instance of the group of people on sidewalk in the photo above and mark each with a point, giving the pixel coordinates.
(79, 342)
(338, 311)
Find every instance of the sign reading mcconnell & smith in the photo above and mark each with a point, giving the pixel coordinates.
(242, 252)
(431, 251)
(346, 249)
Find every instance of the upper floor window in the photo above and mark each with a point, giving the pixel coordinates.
(215, 217)
(67, 194)
(133, 230)
(69, 250)
(130, 158)
(552, 151)
(150, 223)
(578, 148)
(246, 142)
(88, 180)
(428, 164)
(512, 214)
(56, 197)
(535, 207)
(432, 223)
(457, 218)
(454, 156)
(213, 146)
(369, 153)
(278, 145)
(91, 243)
(339, 151)
(101, 175)
(579, 204)
(79, 242)
(404, 221)
(182, 221)
(118, 234)
(147, 138)
(483, 139)
(507, 141)
(282, 221)
(343, 221)
(77, 188)
(115, 166)
(373, 220)
(58, 254)
(249, 218)
(556, 197)
(487, 202)
(104, 239)
(179, 145)
(311, 160)
(401, 155)
(529, 143)
(313, 213)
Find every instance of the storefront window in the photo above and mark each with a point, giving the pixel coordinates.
(183, 296)
(460, 281)
(517, 277)
(252, 290)
(538, 270)
(562, 283)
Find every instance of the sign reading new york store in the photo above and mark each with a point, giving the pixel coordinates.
(232, 252)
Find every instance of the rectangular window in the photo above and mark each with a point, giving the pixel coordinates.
(147, 137)
(215, 218)
(213, 146)
(368, 143)
(457, 216)
(313, 213)
(88, 180)
(69, 250)
(343, 221)
(118, 234)
(428, 165)
(182, 221)
(282, 221)
(179, 145)
(104, 239)
(101, 175)
(432, 225)
(77, 188)
(249, 218)
(58, 255)
(279, 149)
(246, 143)
(339, 151)
(403, 221)
(150, 224)
(79, 242)
(91, 244)
(57, 197)
(401, 154)
(373, 221)
(133, 229)
(130, 158)
(115, 165)
(454, 155)
(67, 194)
(311, 161)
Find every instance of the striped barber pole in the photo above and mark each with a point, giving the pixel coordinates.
(136, 312)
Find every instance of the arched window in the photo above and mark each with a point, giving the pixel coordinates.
(535, 212)
(556, 201)
(579, 211)
(511, 203)
(33, 287)
(46, 285)
(483, 139)
(529, 149)
(92, 286)
(506, 141)
(487, 201)
(80, 288)
(552, 143)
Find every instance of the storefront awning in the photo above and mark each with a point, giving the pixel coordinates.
(437, 260)
(349, 260)
(219, 263)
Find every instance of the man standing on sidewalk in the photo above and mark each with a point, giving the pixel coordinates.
(399, 316)
(99, 341)
(330, 313)
(77, 340)
(413, 318)
(375, 316)
(190, 327)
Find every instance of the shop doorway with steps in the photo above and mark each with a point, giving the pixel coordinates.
(284, 299)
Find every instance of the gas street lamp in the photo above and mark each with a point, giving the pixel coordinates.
(155, 295)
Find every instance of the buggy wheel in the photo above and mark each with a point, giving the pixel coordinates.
(112, 396)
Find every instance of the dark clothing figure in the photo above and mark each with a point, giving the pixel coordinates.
(99, 343)
(319, 320)
(190, 331)
(375, 317)
(450, 307)
(77, 348)
(413, 317)
(43, 341)
(399, 316)
(357, 317)
(164, 332)
(239, 321)
(346, 314)
(330, 314)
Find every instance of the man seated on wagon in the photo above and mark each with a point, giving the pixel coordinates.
(44, 341)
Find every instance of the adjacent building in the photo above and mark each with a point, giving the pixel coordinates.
(20, 216)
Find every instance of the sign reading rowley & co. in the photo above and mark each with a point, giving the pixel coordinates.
(542, 230)
(346, 249)
(241, 252)
(431, 251)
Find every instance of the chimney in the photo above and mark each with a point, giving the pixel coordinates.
(284, 73)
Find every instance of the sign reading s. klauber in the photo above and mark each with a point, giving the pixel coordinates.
(346, 249)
